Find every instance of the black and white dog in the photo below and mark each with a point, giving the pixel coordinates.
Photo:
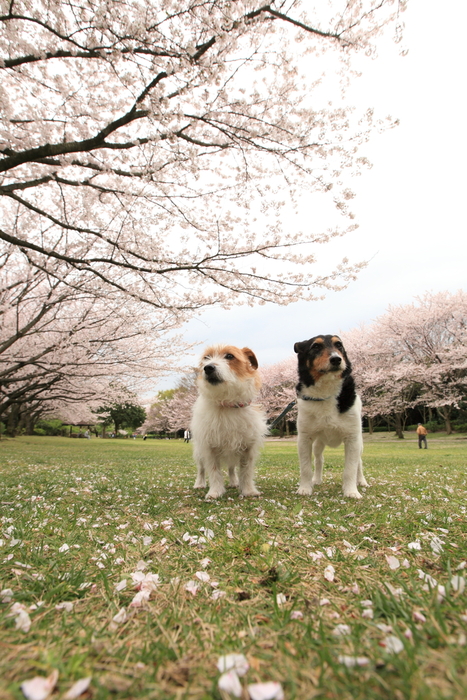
(329, 412)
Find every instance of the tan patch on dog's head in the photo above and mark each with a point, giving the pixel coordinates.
(242, 361)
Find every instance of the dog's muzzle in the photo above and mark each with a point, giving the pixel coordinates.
(335, 361)
(210, 373)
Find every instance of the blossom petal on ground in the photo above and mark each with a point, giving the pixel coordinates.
(351, 661)
(458, 583)
(140, 598)
(341, 630)
(39, 688)
(329, 573)
(296, 615)
(418, 616)
(202, 576)
(414, 545)
(120, 586)
(281, 599)
(230, 683)
(436, 545)
(64, 548)
(78, 688)
(218, 594)
(192, 587)
(67, 605)
(392, 644)
(6, 595)
(272, 690)
(23, 621)
(393, 562)
(236, 662)
(120, 617)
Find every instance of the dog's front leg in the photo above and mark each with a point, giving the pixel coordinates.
(361, 481)
(247, 467)
(232, 463)
(353, 451)
(216, 479)
(200, 482)
(306, 472)
(318, 449)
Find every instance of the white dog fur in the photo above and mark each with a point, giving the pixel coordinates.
(226, 427)
(329, 413)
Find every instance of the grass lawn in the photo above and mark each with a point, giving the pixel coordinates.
(333, 598)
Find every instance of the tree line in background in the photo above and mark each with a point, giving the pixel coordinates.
(409, 365)
(152, 154)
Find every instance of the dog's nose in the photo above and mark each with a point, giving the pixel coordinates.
(335, 360)
(210, 369)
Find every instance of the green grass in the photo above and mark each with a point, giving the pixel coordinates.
(104, 498)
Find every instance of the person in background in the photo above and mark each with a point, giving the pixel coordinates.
(186, 435)
(422, 432)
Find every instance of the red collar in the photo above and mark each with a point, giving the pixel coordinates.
(238, 404)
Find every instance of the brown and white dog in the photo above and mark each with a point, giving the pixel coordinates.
(329, 412)
(225, 426)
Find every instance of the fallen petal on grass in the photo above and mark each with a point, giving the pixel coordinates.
(352, 661)
(296, 615)
(236, 662)
(393, 562)
(120, 617)
(229, 682)
(392, 644)
(39, 688)
(78, 688)
(203, 576)
(271, 690)
(458, 583)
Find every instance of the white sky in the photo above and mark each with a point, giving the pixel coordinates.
(410, 206)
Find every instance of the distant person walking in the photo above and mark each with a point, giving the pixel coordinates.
(422, 432)
(87, 435)
(186, 436)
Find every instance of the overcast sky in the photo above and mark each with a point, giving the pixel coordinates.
(410, 206)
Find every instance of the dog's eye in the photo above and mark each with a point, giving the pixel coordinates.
(229, 356)
(316, 346)
(338, 345)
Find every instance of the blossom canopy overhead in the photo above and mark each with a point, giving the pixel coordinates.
(155, 148)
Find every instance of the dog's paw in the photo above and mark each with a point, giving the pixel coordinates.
(251, 492)
(233, 484)
(363, 482)
(316, 482)
(352, 493)
(211, 495)
(305, 490)
(199, 485)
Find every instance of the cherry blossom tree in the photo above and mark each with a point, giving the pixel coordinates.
(63, 345)
(415, 355)
(155, 148)
(172, 409)
(278, 388)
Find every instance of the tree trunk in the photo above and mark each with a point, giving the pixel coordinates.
(12, 421)
(398, 425)
(370, 426)
(445, 413)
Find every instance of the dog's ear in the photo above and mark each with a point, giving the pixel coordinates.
(302, 346)
(251, 356)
